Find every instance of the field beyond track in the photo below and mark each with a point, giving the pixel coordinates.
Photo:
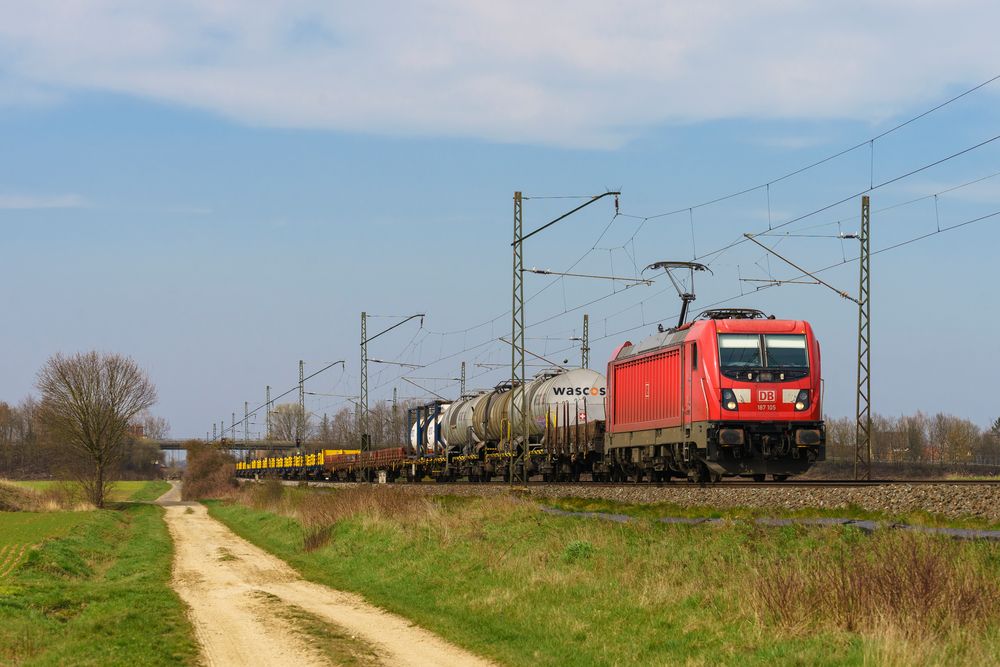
(506, 580)
(131, 491)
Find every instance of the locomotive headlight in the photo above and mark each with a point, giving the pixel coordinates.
(729, 399)
(802, 401)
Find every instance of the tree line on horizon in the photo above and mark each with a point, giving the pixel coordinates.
(29, 451)
(918, 438)
(387, 426)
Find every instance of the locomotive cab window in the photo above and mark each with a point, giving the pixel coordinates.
(786, 351)
(740, 351)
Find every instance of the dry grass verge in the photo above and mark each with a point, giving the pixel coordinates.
(318, 512)
(901, 585)
(14, 498)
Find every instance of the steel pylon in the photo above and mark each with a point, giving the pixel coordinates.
(863, 422)
(517, 427)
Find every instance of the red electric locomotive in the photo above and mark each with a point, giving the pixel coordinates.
(731, 393)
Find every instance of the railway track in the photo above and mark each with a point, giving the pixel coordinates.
(680, 484)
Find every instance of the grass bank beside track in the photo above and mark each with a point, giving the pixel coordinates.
(502, 578)
(93, 589)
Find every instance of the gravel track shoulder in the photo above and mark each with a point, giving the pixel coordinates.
(221, 577)
(956, 501)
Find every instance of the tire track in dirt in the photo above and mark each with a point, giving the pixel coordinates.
(222, 576)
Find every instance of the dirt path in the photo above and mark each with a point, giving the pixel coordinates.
(231, 587)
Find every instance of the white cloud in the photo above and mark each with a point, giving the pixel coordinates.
(23, 202)
(790, 142)
(582, 73)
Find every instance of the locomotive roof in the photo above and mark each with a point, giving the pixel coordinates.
(677, 336)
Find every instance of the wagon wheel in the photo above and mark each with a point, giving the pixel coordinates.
(759, 478)
(779, 478)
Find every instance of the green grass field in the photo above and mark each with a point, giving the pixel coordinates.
(20, 531)
(508, 581)
(93, 591)
(131, 491)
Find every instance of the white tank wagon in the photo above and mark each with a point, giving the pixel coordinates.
(458, 427)
(424, 431)
(578, 392)
(491, 413)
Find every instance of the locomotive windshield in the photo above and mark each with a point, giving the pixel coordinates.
(783, 351)
(740, 350)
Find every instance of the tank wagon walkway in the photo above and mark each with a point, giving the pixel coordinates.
(234, 589)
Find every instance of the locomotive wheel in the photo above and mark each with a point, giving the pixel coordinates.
(779, 478)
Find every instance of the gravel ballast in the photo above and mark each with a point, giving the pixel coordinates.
(949, 500)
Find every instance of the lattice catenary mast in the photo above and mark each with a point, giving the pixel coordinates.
(863, 412)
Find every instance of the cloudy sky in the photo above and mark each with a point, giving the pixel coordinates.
(218, 189)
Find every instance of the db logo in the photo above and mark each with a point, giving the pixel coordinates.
(766, 396)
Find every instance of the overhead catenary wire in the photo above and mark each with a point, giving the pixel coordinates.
(766, 185)
(891, 207)
(872, 186)
(282, 395)
(844, 200)
(812, 165)
(729, 299)
(638, 305)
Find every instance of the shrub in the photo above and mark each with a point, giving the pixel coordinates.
(16, 499)
(210, 473)
(578, 550)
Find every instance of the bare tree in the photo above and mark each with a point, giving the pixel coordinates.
(154, 428)
(289, 423)
(88, 401)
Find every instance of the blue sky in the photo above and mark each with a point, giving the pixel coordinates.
(219, 193)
